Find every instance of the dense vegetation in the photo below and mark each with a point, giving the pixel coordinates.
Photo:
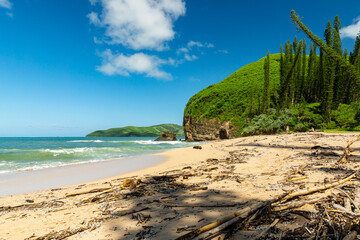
(315, 86)
(230, 99)
(131, 131)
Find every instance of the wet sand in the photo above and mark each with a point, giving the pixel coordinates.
(31, 181)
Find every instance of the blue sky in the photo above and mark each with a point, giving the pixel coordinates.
(69, 67)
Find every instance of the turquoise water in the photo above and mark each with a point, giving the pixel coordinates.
(25, 153)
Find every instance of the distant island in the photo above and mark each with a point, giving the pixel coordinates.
(132, 131)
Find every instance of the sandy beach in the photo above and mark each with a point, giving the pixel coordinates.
(190, 189)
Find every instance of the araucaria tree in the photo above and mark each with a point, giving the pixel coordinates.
(266, 94)
(331, 78)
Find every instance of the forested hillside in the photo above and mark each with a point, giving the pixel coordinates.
(132, 131)
(314, 84)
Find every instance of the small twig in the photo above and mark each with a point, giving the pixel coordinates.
(348, 197)
(263, 233)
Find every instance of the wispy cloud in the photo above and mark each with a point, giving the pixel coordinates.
(139, 63)
(190, 57)
(5, 4)
(187, 52)
(191, 44)
(352, 30)
(138, 24)
(224, 51)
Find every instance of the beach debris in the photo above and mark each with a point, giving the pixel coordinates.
(89, 191)
(197, 147)
(347, 151)
(299, 206)
(185, 228)
(131, 183)
(29, 201)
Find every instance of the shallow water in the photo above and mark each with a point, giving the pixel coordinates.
(30, 153)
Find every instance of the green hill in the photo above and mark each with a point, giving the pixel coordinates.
(131, 131)
(228, 100)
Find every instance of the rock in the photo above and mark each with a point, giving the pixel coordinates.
(207, 129)
(167, 136)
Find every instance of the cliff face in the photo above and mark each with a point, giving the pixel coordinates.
(206, 129)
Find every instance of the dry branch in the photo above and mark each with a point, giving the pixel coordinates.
(321, 188)
(348, 150)
(263, 233)
(241, 214)
(90, 191)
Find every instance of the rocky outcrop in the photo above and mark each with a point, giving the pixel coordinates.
(206, 129)
(167, 136)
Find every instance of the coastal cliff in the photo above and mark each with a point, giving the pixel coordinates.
(207, 129)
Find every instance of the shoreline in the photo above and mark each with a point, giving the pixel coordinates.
(26, 182)
(187, 190)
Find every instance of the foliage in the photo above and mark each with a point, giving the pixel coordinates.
(131, 131)
(230, 98)
(298, 119)
(307, 91)
(347, 116)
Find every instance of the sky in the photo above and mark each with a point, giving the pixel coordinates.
(68, 68)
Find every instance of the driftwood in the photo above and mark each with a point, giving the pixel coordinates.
(249, 210)
(347, 151)
(296, 179)
(90, 191)
(263, 233)
(217, 229)
(348, 200)
(294, 205)
(205, 206)
(343, 209)
(243, 213)
(321, 188)
(357, 198)
(351, 236)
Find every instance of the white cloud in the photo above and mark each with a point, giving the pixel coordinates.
(94, 18)
(182, 50)
(5, 4)
(224, 51)
(138, 24)
(192, 46)
(190, 57)
(11, 15)
(139, 63)
(193, 43)
(352, 30)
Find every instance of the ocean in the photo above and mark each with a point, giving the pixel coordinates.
(31, 153)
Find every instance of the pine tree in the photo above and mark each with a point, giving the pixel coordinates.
(326, 102)
(338, 76)
(266, 93)
(303, 84)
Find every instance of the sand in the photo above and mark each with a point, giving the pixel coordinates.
(201, 186)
